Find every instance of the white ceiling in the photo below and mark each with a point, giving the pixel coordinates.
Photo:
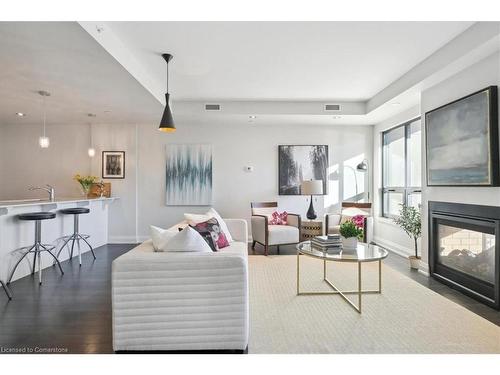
(62, 58)
(228, 61)
(282, 60)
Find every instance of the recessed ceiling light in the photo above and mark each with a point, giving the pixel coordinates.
(20, 114)
(336, 117)
(252, 117)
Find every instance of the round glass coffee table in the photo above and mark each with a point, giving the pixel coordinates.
(362, 254)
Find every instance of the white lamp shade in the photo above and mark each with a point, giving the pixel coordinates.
(91, 152)
(312, 187)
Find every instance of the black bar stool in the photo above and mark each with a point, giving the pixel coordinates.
(76, 236)
(37, 247)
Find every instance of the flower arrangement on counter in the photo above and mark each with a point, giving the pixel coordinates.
(85, 182)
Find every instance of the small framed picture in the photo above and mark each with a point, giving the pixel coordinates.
(113, 164)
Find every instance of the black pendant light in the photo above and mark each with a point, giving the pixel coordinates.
(167, 121)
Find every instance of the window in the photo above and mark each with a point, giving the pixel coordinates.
(401, 167)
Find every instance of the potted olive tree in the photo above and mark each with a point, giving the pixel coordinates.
(410, 221)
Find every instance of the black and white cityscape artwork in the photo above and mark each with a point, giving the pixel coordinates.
(299, 163)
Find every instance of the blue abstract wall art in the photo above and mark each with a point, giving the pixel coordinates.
(462, 141)
(189, 175)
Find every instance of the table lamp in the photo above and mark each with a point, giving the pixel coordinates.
(311, 187)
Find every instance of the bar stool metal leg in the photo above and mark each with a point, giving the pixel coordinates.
(33, 269)
(91, 249)
(76, 237)
(37, 248)
(18, 262)
(49, 250)
(7, 290)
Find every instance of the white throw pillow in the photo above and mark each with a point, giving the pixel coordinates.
(160, 237)
(187, 240)
(194, 219)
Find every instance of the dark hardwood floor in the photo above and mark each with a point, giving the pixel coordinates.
(72, 313)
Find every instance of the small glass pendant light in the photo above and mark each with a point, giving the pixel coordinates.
(91, 150)
(44, 141)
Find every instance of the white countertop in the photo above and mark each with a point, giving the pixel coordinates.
(38, 202)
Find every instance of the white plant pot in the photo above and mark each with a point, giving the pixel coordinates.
(349, 243)
(414, 262)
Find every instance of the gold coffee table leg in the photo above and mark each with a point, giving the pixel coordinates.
(359, 288)
(380, 276)
(359, 291)
(298, 273)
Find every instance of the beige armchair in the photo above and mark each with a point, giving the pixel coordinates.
(272, 235)
(333, 221)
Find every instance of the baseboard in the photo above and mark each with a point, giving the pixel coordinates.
(393, 246)
(424, 269)
(123, 239)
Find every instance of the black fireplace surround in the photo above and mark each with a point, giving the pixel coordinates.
(464, 249)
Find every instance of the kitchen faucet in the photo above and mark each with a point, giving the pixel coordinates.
(49, 189)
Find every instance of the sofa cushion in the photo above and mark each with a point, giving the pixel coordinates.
(146, 250)
(187, 240)
(282, 234)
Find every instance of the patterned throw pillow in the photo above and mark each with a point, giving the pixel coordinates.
(279, 218)
(211, 232)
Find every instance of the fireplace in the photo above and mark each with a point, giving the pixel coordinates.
(464, 248)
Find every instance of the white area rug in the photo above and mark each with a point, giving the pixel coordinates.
(406, 318)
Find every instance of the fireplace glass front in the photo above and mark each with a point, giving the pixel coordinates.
(469, 251)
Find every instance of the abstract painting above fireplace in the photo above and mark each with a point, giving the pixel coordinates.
(464, 248)
(462, 141)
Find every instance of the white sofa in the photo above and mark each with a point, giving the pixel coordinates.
(182, 301)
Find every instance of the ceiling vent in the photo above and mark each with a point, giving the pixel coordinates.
(332, 107)
(212, 107)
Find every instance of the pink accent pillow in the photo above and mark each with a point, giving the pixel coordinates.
(212, 228)
(279, 218)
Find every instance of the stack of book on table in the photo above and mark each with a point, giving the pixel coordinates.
(331, 242)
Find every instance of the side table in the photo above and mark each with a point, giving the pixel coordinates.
(310, 229)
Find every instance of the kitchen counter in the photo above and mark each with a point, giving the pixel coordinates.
(38, 202)
(15, 234)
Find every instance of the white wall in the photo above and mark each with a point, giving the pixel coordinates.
(23, 163)
(233, 149)
(478, 76)
(386, 233)
(142, 192)
(123, 212)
